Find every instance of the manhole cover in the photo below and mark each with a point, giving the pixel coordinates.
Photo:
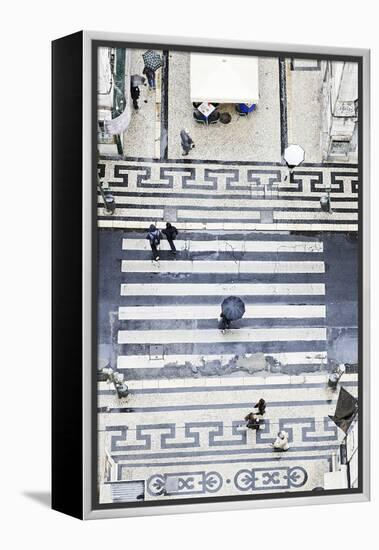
(156, 351)
(267, 216)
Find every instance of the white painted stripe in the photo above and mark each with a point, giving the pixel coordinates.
(206, 336)
(267, 311)
(134, 212)
(248, 226)
(228, 246)
(315, 215)
(242, 289)
(229, 202)
(209, 214)
(205, 266)
(144, 361)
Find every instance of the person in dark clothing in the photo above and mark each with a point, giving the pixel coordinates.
(154, 236)
(171, 233)
(260, 406)
(224, 323)
(252, 421)
(135, 93)
(150, 74)
(186, 141)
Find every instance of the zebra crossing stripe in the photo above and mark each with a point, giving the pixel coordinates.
(146, 361)
(267, 311)
(215, 335)
(204, 266)
(228, 246)
(115, 223)
(240, 289)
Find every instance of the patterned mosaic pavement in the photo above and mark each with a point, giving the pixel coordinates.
(224, 196)
(188, 438)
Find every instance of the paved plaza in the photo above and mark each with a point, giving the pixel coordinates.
(245, 229)
(188, 437)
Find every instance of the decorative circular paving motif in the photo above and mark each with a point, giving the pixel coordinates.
(155, 485)
(244, 480)
(212, 482)
(297, 476)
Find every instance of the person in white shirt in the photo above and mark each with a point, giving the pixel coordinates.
(281, 442)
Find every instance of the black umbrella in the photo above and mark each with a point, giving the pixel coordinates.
(233, 308)
(152, 60)
(346, 409)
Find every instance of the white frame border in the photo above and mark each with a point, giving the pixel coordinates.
(88, 512)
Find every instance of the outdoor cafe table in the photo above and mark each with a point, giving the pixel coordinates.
(206, 109)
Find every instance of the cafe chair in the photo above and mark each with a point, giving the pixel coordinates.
(241, 113)
(200, 118)
(214, 117)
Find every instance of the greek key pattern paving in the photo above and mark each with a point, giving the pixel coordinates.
(228, 197)
(184, 442)
(207, 435)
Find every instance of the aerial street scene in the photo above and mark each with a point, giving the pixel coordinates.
(228, 258)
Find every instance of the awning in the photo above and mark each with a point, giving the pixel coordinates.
(346, 409)
(224, 78)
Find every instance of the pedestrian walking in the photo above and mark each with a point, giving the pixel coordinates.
(224, 322)
(171, 233)
(150, 75)
(186, 141)
(260, 406)
(154, 236)
(281, 442)
(135, 93)
(252, 421)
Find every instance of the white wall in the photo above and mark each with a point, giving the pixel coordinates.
(27, 28)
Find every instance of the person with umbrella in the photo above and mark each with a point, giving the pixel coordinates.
(152, 61)
(293, 155)
(232, 308)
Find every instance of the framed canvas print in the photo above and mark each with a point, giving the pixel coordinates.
(210, 275)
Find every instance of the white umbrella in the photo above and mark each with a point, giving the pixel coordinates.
(294, 155)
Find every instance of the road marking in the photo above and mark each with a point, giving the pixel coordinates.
(225, 226)
(267, 311)
(242, 289)
(228, 246)
(205, 266)
(145, 362)
(207, 336)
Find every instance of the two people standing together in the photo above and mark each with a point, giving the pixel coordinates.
(154, 237)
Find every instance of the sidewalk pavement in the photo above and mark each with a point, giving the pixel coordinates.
(192, 441)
